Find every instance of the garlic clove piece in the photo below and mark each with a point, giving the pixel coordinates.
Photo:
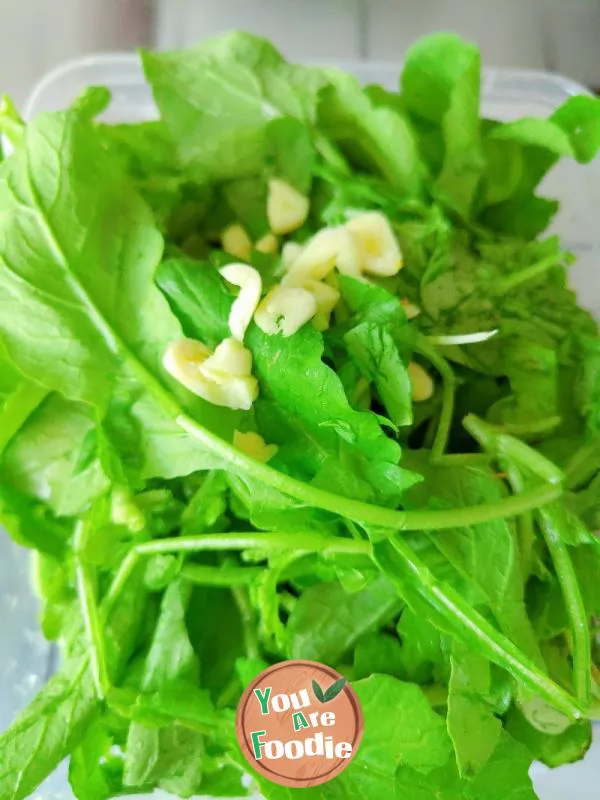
(236, 242)
(246, 303)
(285, 310)
(287, 209)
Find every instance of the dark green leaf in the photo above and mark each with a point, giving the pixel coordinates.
(333, 691)
(318, 692)
(326, 620)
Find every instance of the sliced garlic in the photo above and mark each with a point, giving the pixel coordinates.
(267, 244)
(290, 252)
(285, 310)
(222, 378)
(350, 258)
(230, 358)
(410, 309)
(182, 360)
(246, 303)
(463, 338)
(318, 257)
(326, 298)
(236, 242)
(379, 250)
(235, 393)
(287, 209)
(253, 445)
(421, 382)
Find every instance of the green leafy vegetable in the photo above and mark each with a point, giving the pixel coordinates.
(430, 535)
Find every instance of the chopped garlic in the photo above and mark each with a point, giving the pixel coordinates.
(243, 308)
(236, 241)
(253, 445)
(287, 209)
(182, 360)
(463, 338)
(290, 253)
(318, 257)
(410, 309)
(421, 382)
(326, 298)
(349, 260)
(230, 358)
(222, 378)
(267, 244)
(379, 251)
(285, 310)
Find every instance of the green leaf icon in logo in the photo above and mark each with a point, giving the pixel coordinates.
(329, 694)
(318, 692)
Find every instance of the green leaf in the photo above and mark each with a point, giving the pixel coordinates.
(54, 457)
(528, 149)
(448, 611)
(472, 726)
(374, 137)
(169, 757)
(218, 98)
(486, 555)
(379, 344)
(425, 651)
(31, 524)
(114, 324)
(378, 653)
(333, 436)
(95, 773)
(326, 620)
(18, 399)
(552, 749)
(510, 758)
(401, 728)
(53, 725)
(440, 84)
(290, 152)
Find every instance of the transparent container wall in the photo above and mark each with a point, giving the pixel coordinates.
(26, 659)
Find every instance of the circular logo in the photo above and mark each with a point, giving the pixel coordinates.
(299, 723)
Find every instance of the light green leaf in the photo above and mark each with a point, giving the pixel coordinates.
(472, 726)
(377, 138)
(78, 250)
(54, 457)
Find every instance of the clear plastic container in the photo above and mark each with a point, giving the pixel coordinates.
(507, 94)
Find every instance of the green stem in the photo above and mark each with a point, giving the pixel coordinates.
(525, 526)
(365, 512)
(85, 580)
(247, 615)
(584, 464)
(576, 611)
(520, 456)
(504, 446)
(459, 614)
(529, 273)
(222, 577)
(530, 428)
(428, 351)
(309, 542)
